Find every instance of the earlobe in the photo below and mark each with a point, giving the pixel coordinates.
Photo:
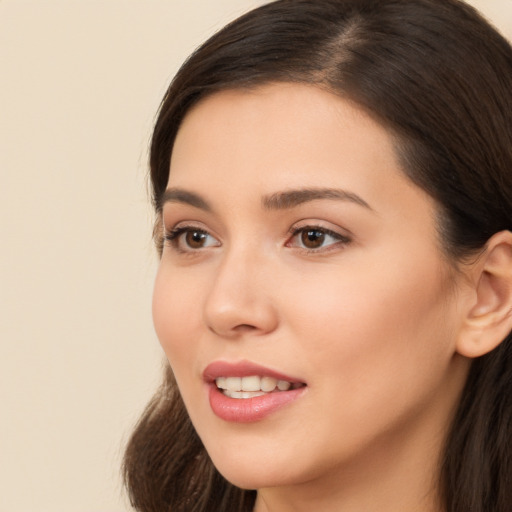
(489, 318)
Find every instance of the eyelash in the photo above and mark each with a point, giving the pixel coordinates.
(173, 238)
(338, 237)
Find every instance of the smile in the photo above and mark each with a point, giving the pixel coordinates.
(253, 386)
(244, 392)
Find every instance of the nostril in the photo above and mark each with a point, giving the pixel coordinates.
(238, 329)
(245, 328)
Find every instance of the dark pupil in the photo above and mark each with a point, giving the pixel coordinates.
(313, 238)
(195, 239)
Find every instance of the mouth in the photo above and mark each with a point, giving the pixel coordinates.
(245, 392)
(253, 385)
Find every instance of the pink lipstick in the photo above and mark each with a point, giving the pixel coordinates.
(245, 392)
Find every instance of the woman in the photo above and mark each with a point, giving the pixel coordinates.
(332, 186)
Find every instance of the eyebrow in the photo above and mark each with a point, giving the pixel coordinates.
(178, 195)
(292, 198)
(279, 201)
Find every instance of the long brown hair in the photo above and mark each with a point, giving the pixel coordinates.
(439, 78)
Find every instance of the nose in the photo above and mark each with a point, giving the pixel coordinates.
(240, 300)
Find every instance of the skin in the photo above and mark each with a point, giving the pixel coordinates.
(369, 318)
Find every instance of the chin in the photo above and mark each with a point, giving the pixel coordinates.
(258, 470)
(250, 477)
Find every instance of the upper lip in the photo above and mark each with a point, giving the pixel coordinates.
(242, 369)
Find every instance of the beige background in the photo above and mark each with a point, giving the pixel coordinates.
(80, 83)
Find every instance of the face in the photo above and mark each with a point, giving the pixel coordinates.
(299, 256)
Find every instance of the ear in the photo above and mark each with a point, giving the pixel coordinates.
(489, 317)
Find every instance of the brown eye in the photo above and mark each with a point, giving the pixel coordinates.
(187, 239)
(312, 238)
(196, 239)
(317, 239)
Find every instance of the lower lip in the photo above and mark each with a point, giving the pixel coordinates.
(248, 410)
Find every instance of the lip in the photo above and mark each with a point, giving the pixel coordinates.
(248, 410)
(242, 369)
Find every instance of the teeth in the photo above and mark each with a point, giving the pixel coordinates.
(251, 383)
(243, 394)
(283, 385)
(251, 386)
(233, 383)
(268, 384)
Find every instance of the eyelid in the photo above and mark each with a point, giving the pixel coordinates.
(172, 236)
(341, 238)
(171, 228)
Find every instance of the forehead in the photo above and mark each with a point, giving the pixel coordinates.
(281, 129)
(244, 144)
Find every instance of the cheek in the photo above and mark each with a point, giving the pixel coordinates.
(378, 352)
(174, 316)
(386, 326)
